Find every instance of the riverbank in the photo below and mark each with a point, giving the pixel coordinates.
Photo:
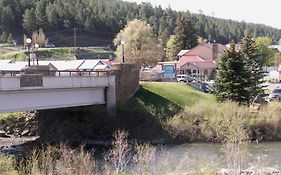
(160, 113)
(125, 158)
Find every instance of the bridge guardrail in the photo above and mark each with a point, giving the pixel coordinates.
(70, 73)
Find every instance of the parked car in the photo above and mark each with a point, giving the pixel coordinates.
(275, 94)
(181, 78)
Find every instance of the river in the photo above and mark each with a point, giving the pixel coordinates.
(266, 154)
(262, 154)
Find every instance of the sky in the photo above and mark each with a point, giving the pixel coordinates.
(256, 11)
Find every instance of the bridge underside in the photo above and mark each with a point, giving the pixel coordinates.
(50, 98)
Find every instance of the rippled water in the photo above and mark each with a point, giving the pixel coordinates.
(263, 154)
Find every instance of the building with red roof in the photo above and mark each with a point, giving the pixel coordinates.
(200, 60)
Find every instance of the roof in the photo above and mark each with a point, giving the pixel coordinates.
(59, 65)
(188, 58)
(90, 64)
(101, 67)
(205, 64)
(182, 52)
(168, 62)
(17, 66)
(64, 65)
(5, 62)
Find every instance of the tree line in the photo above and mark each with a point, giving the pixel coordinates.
(107, 17)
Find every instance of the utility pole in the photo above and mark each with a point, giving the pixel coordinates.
(74, 38)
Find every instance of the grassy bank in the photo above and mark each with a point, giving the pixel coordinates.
(162, 113)
(177, 93)
(58, 53)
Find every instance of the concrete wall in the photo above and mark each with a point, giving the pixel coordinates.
(54, 92)
(21, 94)
(50, 99)
(126, 81)
(13, 83)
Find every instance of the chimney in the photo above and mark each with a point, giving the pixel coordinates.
(215, 51)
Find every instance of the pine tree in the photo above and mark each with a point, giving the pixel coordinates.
(4, 37)
(10, 39)
(185, 34)
(29, 21)
(254, 63)
(231, 82)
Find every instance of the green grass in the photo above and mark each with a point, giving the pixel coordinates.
(5, 116)
(58, 53)
(177, 93)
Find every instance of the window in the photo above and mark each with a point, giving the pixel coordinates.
(205, 72)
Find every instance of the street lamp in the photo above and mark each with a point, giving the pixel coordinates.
(123, 54)
(36, 48)
(28, 41)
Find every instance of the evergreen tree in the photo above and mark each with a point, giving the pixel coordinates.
(254, 63)
(231, 82)
(185, 34)
(10, 39)
(40, 14)
(7, 18)
(4, 37)
(29, 21)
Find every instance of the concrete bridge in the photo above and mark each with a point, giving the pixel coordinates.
(27, 91)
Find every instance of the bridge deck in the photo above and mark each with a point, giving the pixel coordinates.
(52, 91)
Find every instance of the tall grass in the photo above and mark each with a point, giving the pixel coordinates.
(125, 158)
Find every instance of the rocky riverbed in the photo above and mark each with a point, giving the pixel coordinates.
(16, 132)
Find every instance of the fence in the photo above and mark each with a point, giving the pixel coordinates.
(57, 73)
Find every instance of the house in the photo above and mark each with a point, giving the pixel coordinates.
(200, 69)
(168, 69)
(200, 61)
(15, 68)
(207, 51)
(93, 65)
(151, 74)
(181, 53)
(63, 67)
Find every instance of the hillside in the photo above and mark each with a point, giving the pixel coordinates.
(97, 21)
(58, 53)
(176, 93)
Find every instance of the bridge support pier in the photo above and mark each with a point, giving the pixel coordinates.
(111, 96)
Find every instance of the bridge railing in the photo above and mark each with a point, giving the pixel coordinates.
(88, 73)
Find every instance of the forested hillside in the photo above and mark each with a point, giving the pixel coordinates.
(104, 18)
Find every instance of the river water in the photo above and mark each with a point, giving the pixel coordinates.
(261, 154)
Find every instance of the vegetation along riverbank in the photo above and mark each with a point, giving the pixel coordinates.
(158, 113)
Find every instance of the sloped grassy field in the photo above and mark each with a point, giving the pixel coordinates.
(177, 93)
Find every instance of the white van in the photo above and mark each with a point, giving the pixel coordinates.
(181, 77)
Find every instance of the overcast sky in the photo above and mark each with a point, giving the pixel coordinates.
(256, 11)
